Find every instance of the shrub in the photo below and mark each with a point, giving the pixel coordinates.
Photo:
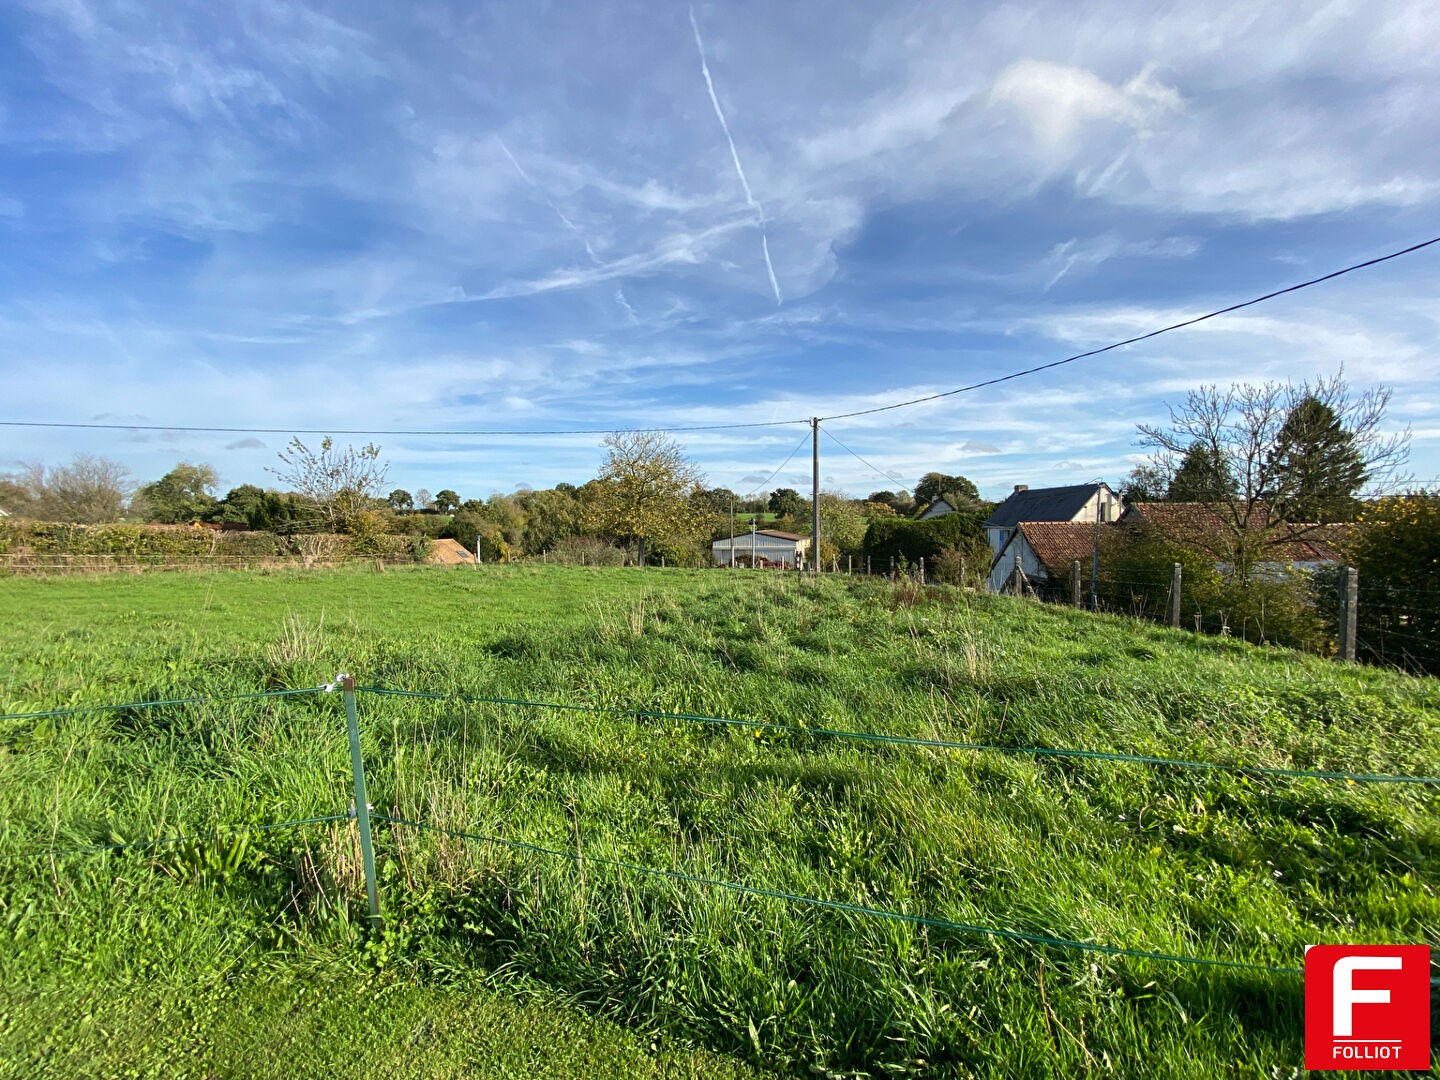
(586, 551)
(911, 541)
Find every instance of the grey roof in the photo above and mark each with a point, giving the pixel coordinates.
(1043, 504)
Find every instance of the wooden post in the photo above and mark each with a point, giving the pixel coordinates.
(922, 569)
(892, 566)
(1018, 578)
(850, 564)
(1349, 604)
(1175, 595)
(1075, 583)
(867, 565)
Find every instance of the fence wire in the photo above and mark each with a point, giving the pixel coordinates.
(934, 744)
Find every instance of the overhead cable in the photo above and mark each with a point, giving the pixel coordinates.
(1133, 340)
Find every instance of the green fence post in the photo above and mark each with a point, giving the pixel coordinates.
(362, 805)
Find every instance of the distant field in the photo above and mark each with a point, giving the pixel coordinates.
(507, 962)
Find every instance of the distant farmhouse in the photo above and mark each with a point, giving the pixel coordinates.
(1203, 527)
(765, 547)
(1048, 529)
(1046, 550)
(939, 508)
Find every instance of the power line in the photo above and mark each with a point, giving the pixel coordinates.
(766, 482)
(1139, 337)
(857, 457)
(386, 432)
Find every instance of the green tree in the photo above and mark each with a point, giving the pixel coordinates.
(447, 501)
(1203, 476)
(185, 493)
(842, 523)
(1146, 483)
(788, 503)
(1318, 469)
(550, 516)
(401, 501)
(956, 490)
(1396, 549)
(643, 493)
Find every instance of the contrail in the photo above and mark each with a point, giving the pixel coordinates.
(620, 297)
(735, 157)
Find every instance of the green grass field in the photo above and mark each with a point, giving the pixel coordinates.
(246, 954)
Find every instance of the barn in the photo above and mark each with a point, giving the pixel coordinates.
(763, 547)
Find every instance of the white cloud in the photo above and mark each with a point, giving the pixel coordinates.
(1060, 102)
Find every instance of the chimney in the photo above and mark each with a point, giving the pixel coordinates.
(1021, 487)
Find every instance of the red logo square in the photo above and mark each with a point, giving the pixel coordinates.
(1367, 1007)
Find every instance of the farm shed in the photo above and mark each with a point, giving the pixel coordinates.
(763, 547)
(1079, 502)
(449, 553)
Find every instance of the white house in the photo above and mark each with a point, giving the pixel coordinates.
(1046, 550)
(939, 508)
(760, 548)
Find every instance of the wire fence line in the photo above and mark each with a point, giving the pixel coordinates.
(162, 841)
(202, 699)
(840, 905)
(880, 738)
(363, 814)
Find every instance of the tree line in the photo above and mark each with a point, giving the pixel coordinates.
(647, 502)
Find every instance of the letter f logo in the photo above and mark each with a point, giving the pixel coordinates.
(1392, 1031)
(1345, 994)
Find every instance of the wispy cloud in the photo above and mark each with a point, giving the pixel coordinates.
(735, 157)
(620, 297)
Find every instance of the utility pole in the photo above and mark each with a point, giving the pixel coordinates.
(815, 492)
(1095, 558)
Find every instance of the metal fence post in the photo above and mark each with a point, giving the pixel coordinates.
(362, 806)
(1349, 603)
(1175, 573)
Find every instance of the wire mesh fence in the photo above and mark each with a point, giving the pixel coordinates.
(362, 813)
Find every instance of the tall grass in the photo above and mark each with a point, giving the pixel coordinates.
(1214, 865)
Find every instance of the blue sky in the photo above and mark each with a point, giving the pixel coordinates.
(603, 214)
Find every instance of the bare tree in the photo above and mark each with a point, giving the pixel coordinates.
(1251, 437)
(340, 482)
(89, 490)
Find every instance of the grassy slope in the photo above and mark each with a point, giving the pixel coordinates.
(1193, 863)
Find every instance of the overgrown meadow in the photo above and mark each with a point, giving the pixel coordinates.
(246, 952)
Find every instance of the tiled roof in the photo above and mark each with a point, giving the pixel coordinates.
(1043, 504)
(777, 534)
(1059, 543)
(1211, 527)
(449, 552)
